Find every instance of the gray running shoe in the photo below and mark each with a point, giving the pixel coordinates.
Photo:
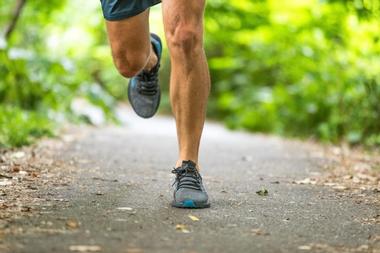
(189, 191)
(143, 90)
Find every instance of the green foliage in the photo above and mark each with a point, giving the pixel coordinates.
(299, 68)
(48, 61)
(19, 127)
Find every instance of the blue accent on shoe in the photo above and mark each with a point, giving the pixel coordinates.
(188, 203)
(157, 45)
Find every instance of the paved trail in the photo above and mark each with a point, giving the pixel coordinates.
(120, 194)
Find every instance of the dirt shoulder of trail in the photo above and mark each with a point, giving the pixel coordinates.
(27, 175)
(353, 172)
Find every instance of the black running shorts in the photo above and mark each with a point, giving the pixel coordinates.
(121, 9)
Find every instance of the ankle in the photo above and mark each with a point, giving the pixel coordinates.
(152, 62)
(179, 163)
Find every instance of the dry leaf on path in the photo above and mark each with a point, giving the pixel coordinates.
(182, 228)
(304, 247)
(259, 231)
(193, 218)
(262, 192)
(85, 248)
(125, 208)
(340, 187)
(306, 181)
(72, 224)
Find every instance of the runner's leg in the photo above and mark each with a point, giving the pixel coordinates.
(130, 44)
(189, 81)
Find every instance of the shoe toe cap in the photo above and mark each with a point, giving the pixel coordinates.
(189, 194)
(144, 106)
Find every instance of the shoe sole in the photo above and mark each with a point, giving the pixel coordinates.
(190, 204)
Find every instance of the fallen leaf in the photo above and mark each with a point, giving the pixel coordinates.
(259, 231)
(72, 224)
(85, 248)
(61, 200)
(340, 187)
(182, 228)
(26, 209)
(304, 247)
(193, 218)
(306, 181)
(262, 192)
(23, 172)
(125, 208)
(346, 177)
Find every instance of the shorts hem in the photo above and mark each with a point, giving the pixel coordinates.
(126, 14)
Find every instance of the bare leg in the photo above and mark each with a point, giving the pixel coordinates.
(189, 80)
(130, 44)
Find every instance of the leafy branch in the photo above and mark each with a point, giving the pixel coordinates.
(15, 17)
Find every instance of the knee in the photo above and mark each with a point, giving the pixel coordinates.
(130, 65)
(185, 40)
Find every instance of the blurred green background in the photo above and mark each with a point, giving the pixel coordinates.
(300, 68)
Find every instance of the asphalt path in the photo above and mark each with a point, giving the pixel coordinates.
(119, 194)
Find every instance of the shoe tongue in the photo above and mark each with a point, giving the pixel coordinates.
(188, 164)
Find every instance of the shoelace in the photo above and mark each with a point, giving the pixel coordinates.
(187, 177)
(148, 82)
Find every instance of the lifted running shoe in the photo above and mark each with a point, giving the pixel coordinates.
(144, 92)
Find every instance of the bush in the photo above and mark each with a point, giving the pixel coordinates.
(47, 62)
(297, 68)
(19, 127)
